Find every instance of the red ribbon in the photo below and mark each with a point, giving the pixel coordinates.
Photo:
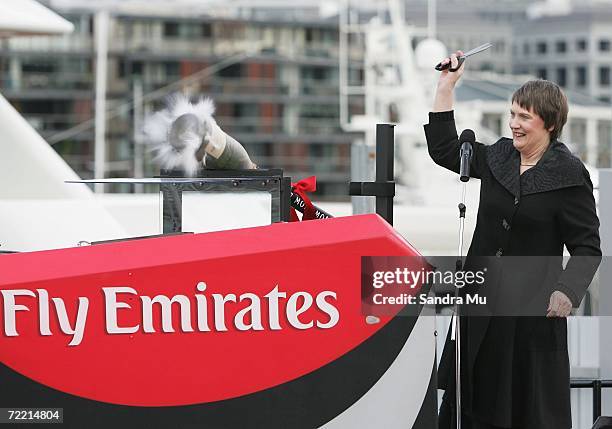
(301, 188)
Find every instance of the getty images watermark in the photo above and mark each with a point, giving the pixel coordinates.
(485, 286)
(389, 283)
(408, 281)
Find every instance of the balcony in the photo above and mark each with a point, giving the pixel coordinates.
(325, 168)
(277, 125)
(319, 87)
(212, 86)
(319, 126)
(49, 81)
(319, 50)
(70, 43)
(163, 47)
(48, 124)
(250, 124)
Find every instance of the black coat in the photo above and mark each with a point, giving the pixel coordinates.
(515, 370)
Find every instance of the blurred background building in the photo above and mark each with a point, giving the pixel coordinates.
(273, 71)
(281, 101)
(301, 86)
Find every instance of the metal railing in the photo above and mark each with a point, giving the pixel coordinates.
(596, 385)
(57, 80)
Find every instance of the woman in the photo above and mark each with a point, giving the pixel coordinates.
(535, 198)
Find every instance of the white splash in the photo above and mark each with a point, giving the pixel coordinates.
(157, 128)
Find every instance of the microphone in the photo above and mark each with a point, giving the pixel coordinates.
(466, 139)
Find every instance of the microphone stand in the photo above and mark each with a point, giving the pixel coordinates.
(464, 173)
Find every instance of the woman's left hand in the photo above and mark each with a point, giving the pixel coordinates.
(559, 305)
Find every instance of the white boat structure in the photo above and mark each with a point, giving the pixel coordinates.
(39, 211)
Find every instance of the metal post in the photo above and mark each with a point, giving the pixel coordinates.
(362, 169)
(343, 62)
(604, 303)
(456, 321)
(596, 399)
(101, 32)
(431, 19)
(138, 143)
(383, 188)
(385, 156)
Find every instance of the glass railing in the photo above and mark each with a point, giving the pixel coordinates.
(70, 43)
(49, 81)
(53, 123)
(313, 87)
(159, 46)
(241, 85)
(306, 164)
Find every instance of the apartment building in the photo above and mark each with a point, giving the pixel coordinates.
(574, 50)
(280, 100)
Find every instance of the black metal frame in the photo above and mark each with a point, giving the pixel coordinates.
(384, 186)
(172, 192)
(596, 385)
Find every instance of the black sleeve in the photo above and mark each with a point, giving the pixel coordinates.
(443, 144)
(579, 226)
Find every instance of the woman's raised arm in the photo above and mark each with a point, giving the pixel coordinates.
(440, 132)
(443, 101)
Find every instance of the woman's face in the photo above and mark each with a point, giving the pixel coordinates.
(528, 132)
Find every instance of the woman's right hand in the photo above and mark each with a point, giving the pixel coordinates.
(443, 100)
(448, 79)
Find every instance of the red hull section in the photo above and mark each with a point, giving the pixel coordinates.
(237, 335)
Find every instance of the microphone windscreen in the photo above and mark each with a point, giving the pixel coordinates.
(467, 136)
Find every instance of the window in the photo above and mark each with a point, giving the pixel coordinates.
(581, 76)
(121, 68)
(604, 76)
(171, 29)
(309, 34)
(541, 73)
(137, 68)
(234, 70)
(206, 29)
(604, 148)
(172, 69)
(562, 76)
(577, 132)
(39, 66)
(320, 35)
(499, 46)
(541, 47)
(581, 45)
(561, 46)
(604, 45)
(187, 30)
(245, 110)
(231, 30)
(355, 76)
(315, 73)
(526, 48)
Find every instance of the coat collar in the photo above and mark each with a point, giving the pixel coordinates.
(557, 168)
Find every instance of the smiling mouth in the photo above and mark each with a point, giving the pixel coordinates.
(515, 134)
